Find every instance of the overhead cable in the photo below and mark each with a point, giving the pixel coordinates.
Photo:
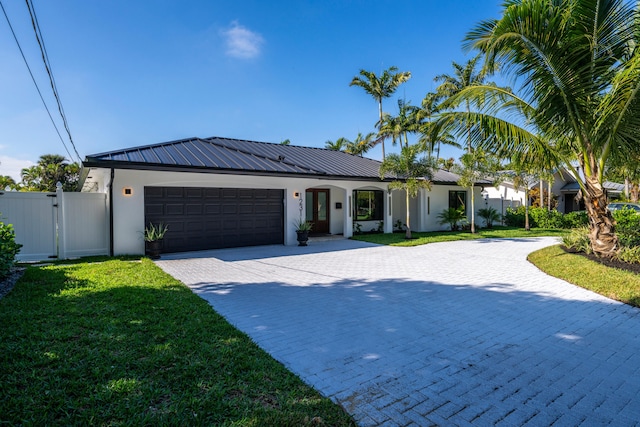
(47, 66)
(34, 80)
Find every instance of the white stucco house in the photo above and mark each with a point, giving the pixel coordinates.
(564, 188)
(221, 192)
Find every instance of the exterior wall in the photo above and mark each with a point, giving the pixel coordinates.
(128, 210)
(425, 208)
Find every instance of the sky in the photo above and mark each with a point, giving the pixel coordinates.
(132, 73)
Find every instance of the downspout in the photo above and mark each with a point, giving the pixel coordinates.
(113, 173)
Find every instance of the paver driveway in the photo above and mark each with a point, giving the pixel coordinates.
(460, 333)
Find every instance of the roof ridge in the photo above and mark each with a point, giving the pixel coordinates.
(280, 159)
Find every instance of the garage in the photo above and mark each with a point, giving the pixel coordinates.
(214, 218)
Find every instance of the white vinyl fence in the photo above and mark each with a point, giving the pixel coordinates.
(57, 225)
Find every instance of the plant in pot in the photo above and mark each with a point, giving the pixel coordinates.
(302, 229)
(153, 235)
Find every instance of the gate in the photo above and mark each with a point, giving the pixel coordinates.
(57, 225)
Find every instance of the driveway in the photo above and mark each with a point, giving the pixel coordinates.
(459, 333)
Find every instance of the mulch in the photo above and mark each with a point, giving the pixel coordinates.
(9, 282)
(614, 263)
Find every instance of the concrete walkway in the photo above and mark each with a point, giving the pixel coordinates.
(460, 333)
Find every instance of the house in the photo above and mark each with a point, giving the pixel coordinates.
(564, 189)
(221, 192)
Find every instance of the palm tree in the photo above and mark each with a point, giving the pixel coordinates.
(464, 76)
(579, 65)
(398, 127)
(360, 145)
(339, 145)
(7, 183)
(380, 88)
(475, 165)
(51, 169)
(411, 174)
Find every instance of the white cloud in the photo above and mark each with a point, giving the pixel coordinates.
(12, 167)
(241, 42)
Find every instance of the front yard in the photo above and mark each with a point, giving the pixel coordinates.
(119, 342)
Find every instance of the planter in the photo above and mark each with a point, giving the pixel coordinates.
(303, 237)
(152, 249)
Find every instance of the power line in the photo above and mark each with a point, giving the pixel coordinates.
(47, 66)
(34, 80)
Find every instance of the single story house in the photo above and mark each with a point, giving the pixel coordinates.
(221, 192)
(564, 189)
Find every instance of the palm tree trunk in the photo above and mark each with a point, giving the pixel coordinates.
(380, 126)
(408, 233)
(473, 215)
(526, 208)
(604, 241)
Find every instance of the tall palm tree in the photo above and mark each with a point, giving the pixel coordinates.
(431, 135)
(578, 62)
(399, 127)
(464, 76)
(380, 88)
(411, 174)
(7, 183)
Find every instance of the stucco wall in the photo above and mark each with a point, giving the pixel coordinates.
(128, 217)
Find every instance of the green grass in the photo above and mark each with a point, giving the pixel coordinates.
(397, 239)
(119, 342)
(611, 282)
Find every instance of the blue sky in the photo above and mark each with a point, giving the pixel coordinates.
(140, 72)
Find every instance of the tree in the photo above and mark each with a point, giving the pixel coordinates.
(380, 88)
(431, 135)
(51, 169)
(285, 142)
(339, 145)
(8, 183)
(399, 127)
(464, 76)
(578, 65)
(360, 145)
(411, 174)
(475, 166)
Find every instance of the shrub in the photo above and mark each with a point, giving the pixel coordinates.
(8, 248)
(629, 254)
(546, 219)
(627, 227)
(515, 217)
(578, 240)
(452, 216)
(490, 215)
(576, 219)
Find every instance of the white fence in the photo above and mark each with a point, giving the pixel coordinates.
(57, 225)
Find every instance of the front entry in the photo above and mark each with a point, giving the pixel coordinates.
(317, 205)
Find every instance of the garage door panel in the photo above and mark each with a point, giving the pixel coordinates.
(211, 218)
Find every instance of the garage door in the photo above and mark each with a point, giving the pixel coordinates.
(213, 218)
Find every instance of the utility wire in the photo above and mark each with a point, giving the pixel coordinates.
(34, 80)
(47, 66)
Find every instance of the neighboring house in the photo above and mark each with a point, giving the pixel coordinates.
(564, 188)
(221, 192)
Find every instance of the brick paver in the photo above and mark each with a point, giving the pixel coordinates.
(459, 333)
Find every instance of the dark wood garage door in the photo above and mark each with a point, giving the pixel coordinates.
(213, 218)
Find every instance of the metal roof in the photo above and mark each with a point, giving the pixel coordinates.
(234, 155)
(226, 155)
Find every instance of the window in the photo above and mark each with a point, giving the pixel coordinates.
(458, 199)
(369, 205)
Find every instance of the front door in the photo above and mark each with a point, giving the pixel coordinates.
(317, 204)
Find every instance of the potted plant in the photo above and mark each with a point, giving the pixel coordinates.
(302, 229)
(153, 235)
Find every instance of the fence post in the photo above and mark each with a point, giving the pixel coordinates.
(61, 223)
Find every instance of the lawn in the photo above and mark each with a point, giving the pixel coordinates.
(119, 342)
(611, 282)
(397, 239)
